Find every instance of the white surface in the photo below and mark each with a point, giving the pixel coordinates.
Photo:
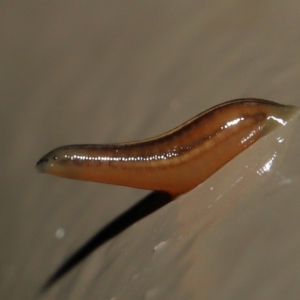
(89, 72)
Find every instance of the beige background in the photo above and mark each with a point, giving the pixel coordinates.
(114, 71)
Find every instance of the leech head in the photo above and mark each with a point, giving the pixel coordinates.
(56, 162)
(50, 160)
(75, 161)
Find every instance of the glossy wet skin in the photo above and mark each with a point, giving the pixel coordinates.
(178, 160)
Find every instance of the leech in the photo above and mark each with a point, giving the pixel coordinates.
(179, 160)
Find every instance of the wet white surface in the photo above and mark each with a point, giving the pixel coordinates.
(119, 71)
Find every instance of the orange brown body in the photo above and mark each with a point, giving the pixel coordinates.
(178, 160)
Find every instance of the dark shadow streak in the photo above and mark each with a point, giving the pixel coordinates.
(143, 208)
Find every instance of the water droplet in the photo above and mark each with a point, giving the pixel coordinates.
(60, 233)
(160, 246)
(280, 139)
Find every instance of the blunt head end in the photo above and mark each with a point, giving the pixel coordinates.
(47, 162)
(41, 164)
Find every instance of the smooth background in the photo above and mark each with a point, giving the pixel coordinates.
(114, 71)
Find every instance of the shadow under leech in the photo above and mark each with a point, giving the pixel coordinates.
(143, 208)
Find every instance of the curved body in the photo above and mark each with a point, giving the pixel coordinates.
(178, 160)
